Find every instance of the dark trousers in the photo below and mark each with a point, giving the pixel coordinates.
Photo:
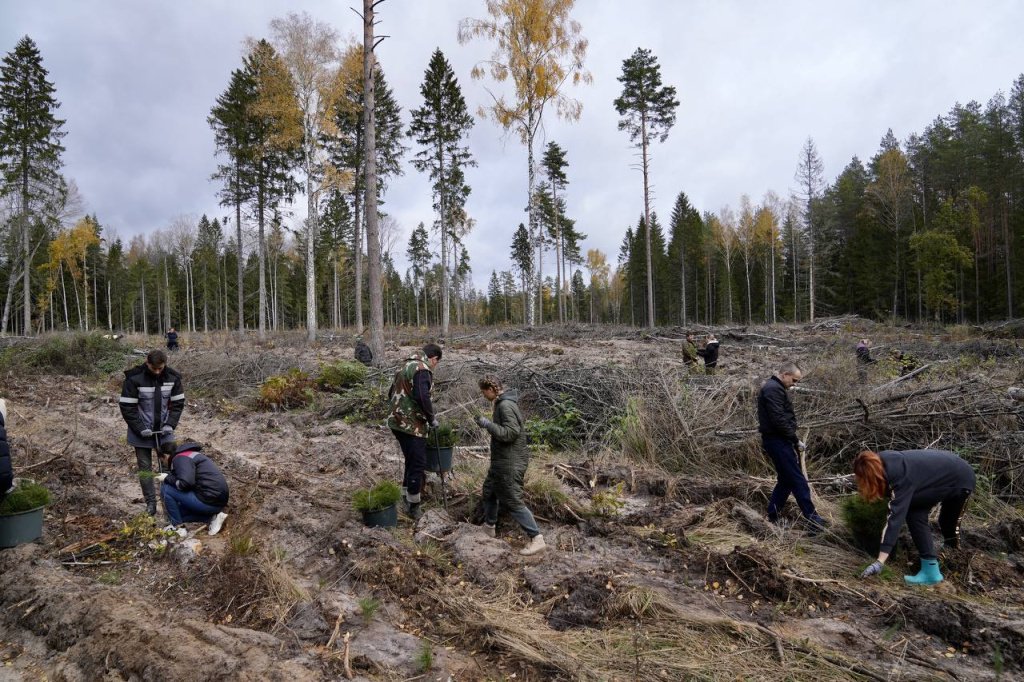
(415, 452)
(953, 505)
(791, 478)
(504, 490)
(186, 506)
(144, 460)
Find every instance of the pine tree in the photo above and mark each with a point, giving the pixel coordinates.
(522, 261)
(809, 174)
(275, 152)
(30, 147)
(346, 148)
(418, 254)
(554, 164)
(648, 111)
(440, 126)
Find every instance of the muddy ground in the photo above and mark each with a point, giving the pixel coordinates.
(668, 575)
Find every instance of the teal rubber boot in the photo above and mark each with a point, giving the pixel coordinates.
(928, 575)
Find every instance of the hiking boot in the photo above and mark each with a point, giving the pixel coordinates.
(415, 511)
(816, 524)
(490, 530)
(217, 523)
(928, 575)
(151, 507)
(536, 545)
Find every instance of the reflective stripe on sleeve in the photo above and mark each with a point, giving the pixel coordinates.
(180, 396)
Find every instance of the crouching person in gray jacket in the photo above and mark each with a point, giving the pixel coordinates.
(195, 490)
(152, 400)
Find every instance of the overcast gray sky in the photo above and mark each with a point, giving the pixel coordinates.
(137, 79)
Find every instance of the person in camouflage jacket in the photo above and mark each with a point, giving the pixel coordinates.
(412, 415)
(510, 455)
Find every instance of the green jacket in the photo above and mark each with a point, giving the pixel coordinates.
(509, 451)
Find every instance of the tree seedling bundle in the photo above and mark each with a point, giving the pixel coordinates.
(380, 496)
(27, 496)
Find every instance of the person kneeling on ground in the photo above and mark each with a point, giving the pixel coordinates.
(363, 353)
(919, 480)
(195, 490)
(503, 486)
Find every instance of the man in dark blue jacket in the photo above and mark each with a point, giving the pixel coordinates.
(777, 424)
(152, 400)
(195, 490)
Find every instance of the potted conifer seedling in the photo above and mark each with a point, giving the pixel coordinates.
(378, 505)
(441, 444)
(865, 521)
(21, 514)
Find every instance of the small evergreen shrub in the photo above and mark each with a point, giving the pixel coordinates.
(380, 496)
(338, 376)
(447, 436)
(25, 497)
(287, 391)
(865, 521)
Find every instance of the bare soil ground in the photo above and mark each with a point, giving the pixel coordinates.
(660, 565)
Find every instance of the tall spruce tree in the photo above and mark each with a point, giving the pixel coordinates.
(648, 111)
(232, 133)
(440, 126)
(418, 253)
(522, 261)
(30, 147)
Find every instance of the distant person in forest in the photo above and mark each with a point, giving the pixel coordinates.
(905, 362)
(412, 415)
(152, 400)
(6, 469)
(510, 456)
(777, 424)
(689, 351)
(710, 354)
(172, 339)
(363, 353)
(916, 481)
(195, 490)
(864, 359)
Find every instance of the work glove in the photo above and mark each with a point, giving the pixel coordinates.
(146, 433)
(434, 424)
(801, 446)
(873, 569)
(167, 431)
(159, 478)
(482, 422)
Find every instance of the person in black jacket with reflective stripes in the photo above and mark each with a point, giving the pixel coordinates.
(777, 424)
(195, 490)
(916, 482)
(152, 400)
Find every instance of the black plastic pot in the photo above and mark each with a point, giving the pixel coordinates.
(439, 459)
(868, 542)
(386, 517)
(25, 526)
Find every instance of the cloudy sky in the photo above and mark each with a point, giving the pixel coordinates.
(137, 79)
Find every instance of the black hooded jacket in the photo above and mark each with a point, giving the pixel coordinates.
(775, 415)
(709, 353)
(6, 470)
(192, 470)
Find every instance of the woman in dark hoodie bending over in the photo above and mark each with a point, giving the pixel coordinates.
(915, 482)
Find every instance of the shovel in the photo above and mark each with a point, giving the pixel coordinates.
(444, 491)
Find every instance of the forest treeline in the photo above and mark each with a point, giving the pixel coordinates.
(926, 228)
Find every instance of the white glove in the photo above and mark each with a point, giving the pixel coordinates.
(146, 433)
(801, 445)
(159, 478)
